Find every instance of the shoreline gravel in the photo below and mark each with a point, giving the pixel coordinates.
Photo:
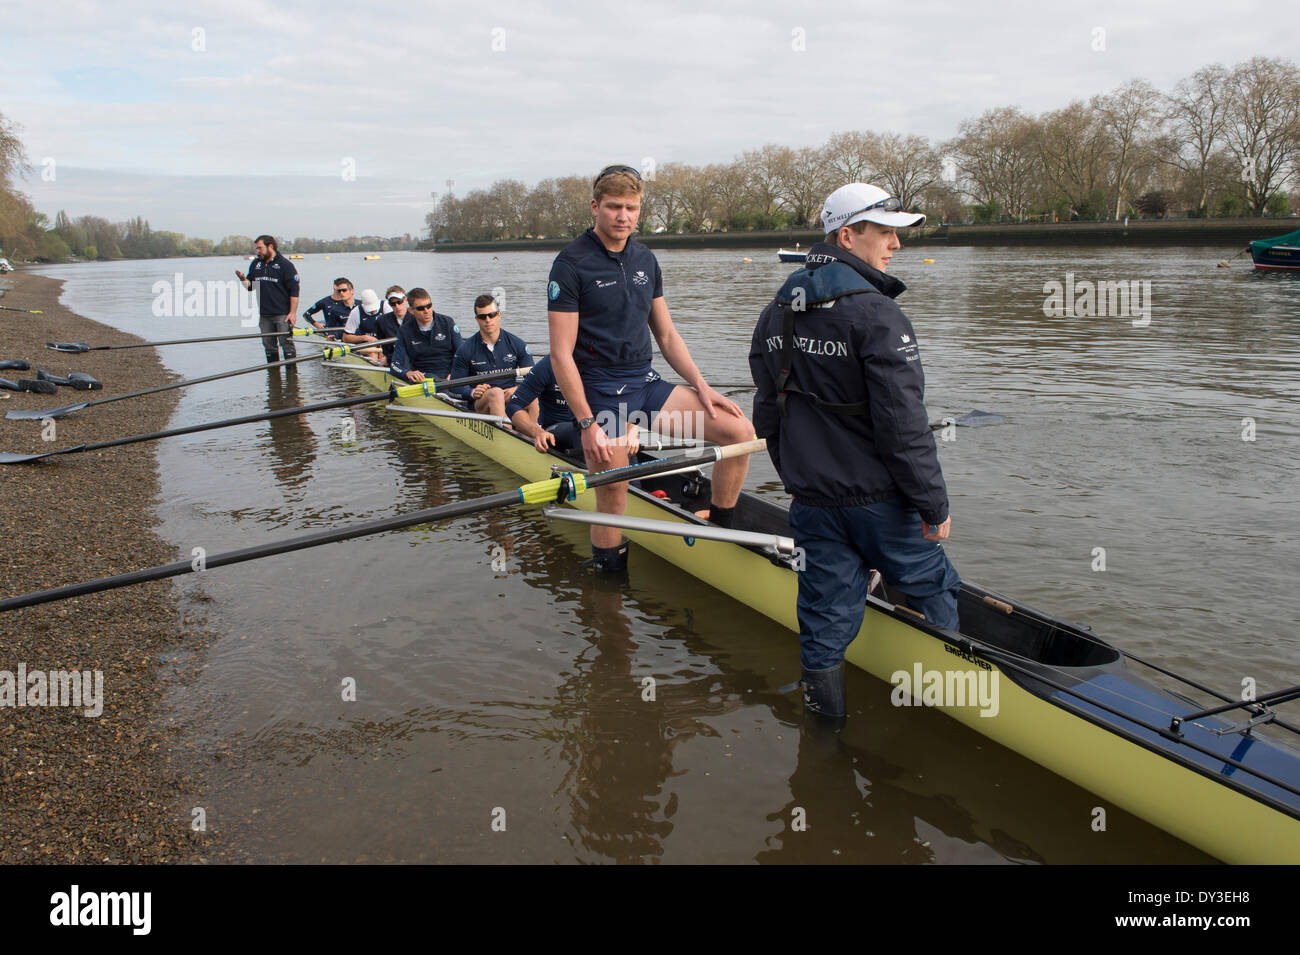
(78, 789)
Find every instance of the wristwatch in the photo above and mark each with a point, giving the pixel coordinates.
(586, 423)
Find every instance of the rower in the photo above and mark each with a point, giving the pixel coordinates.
(537, 410)
(846, 426)
(427, 341)
(390, 321)
(334, 307)
(606, 299)
(491, 348)
(363, 324)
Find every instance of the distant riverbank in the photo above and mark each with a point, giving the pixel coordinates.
(1137, 232)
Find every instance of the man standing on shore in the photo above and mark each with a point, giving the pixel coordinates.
(841, 403)
(606, 299)
(276, 281)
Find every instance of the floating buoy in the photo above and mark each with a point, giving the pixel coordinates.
(928, 261)
(747, 259)
(1224, 264)
(370, 258)
(327, 258)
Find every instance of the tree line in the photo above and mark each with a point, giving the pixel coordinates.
(1223, 142)
(26, 234)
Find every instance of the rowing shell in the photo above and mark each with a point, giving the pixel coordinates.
(1065, 698)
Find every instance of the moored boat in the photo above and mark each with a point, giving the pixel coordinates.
(1066, 699)
(1278, 254)
(785, 255)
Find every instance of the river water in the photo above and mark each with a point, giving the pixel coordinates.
(499, 713)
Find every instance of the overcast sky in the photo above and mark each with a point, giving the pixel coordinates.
(242, 116)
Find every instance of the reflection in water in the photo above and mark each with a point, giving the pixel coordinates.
(292, 443)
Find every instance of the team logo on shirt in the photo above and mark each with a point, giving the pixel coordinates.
(553, 291)
(906, 338)
(601, 283)
(640, 278)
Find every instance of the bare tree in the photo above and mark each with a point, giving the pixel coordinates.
(663, 200)
(1263, 126)
(997, 159)
(699, 200)
(1195, 119)
(802, 183)
(1075, 152)
(765, 170)
(1128, 115)
(905, 166)
(850, 157)
(730, 185)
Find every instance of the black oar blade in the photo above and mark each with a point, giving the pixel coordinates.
(72, 348)
(36, 414)
(17, 364)
(9, 458)
(978, 419)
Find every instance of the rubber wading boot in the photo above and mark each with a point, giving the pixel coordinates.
(83, 382)
(8, 385)
(15, 363)
(608, 560)
(42, 375)
(824, 691)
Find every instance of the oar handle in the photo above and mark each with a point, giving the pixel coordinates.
(742, 449)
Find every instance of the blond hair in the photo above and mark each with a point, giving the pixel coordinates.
(617, 184)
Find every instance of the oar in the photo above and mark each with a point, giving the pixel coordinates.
(77, 348)
(972, 419)
(332, 351)
(566, 487)
(396, 391)
(31, 311)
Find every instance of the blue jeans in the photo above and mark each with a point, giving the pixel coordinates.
(841, 545)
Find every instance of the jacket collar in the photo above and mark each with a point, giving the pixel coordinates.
(823, 253)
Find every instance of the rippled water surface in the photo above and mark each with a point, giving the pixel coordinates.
(515, 695)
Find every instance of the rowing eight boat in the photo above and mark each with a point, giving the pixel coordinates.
(1066, 699)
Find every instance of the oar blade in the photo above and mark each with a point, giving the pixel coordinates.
(978, 419)
(36, 414)
(72, 348)
(7, 457)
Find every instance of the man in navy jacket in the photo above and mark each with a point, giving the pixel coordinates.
(491, 348)
(426, 341)
(841, 403)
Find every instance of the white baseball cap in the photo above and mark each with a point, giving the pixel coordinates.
(859, 202)
(369, 300)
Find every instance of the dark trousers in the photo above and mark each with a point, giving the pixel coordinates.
(273, 346)
(841, 546)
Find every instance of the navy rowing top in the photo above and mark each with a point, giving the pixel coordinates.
(475, 358)
(334, 313)
(276, 283)
(612, 293)
(540, 384)
(428, 350)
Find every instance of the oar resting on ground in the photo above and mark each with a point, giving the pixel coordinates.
(331, 351)
(427, 387)
(566, 487)
(77, 348)
(30, 311)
